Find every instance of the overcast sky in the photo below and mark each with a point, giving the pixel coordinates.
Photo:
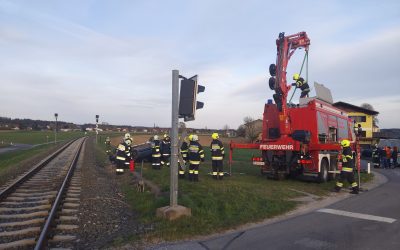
(115, 58)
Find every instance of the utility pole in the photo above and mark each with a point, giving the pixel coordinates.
(55, 128)
(97, 126)
(174, 211)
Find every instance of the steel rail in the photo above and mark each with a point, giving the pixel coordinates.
(33, 171)
(43, 235)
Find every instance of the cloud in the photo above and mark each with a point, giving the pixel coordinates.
(103, 59)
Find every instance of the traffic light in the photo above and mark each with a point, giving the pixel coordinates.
(187, 98)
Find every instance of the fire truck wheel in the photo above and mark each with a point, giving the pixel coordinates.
(323, 174)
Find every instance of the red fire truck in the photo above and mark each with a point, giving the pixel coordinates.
(299, 139)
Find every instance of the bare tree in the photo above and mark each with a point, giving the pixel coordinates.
(249, 124)
(241, 131)
(375, 119)
(225, 128)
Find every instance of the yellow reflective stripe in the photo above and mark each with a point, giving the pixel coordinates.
(196, 172)
(221, 173)
(339, 184)
(217, 158)
(214, 173)
(181, 172)
(191, 171)
(156, 155)
(121, 147)
(194, 162)
(201, 151)
(354, 184)
(215, 146)
(121, 158)
(347, 169)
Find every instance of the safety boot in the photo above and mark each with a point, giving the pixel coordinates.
(354, 191)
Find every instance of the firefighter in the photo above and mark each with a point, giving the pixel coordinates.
(155, 153)
(347, 168)
(123, 155)
(165, 150)
(195, 156)
(108, 150)
(375, 156)
(303, 85)
(217, 157)
(184, 153)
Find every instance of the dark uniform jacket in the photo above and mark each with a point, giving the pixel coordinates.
(155, 148)
(123, 155)
(195, 153)
(217, 150)
(166, 147)
(184, 150)
(347, 160)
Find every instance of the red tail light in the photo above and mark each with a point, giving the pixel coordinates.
(304, 161)
(257, 159)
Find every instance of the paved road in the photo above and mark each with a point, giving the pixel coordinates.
(15, 147)
(370, 220)
(19, 146)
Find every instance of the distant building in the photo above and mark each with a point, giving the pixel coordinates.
(364, 117)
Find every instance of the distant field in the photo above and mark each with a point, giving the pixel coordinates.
(35, 137)
(13, 159)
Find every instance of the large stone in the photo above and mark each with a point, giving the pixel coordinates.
(174, 212)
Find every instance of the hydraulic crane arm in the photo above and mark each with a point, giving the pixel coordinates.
(286, 46)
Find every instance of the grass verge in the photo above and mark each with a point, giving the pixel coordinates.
(242, 198)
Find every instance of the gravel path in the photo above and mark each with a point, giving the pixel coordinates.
(104, 215)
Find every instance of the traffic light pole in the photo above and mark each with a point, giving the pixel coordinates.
(174, 211)
(174, 137)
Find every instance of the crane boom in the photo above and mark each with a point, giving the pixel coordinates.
(286, 46)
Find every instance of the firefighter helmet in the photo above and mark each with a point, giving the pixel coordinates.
(195, 138)
(155, 137)
(215, 136)
(127, 136)
(345, 143)
(296, 76)
(190, 137)
(128, 141)
(165, 135)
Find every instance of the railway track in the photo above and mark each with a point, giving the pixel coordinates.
(40, 209)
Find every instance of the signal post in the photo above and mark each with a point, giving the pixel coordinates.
(184, 109)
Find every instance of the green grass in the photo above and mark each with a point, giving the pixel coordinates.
(11, 159)
(244, 197)
(35, 137)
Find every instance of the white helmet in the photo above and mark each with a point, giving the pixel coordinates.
(128, 141)
(127, 136)
(155, 137)
(195, 138)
